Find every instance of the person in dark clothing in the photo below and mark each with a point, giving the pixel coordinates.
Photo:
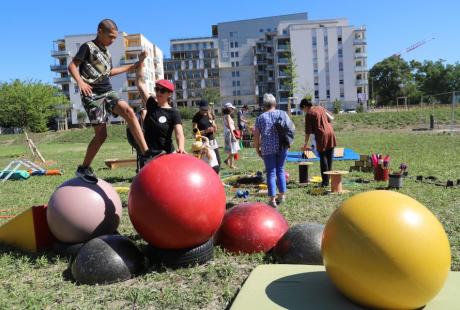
(161, 119)
(318, 122)
(204, 122)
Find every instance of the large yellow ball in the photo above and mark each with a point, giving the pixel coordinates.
(385, 250)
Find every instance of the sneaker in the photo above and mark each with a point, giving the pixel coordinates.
(273, 204)
(86, 174)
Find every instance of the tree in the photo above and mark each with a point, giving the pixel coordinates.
(391, 78)
(435, 77)
(211, 95)
(291, 72)
(28, 104)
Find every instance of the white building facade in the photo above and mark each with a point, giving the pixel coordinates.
(124, 50)
(330, 58)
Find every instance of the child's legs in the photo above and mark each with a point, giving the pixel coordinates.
(100, 134)
(270, 167)
(280, 172)
(124, 110)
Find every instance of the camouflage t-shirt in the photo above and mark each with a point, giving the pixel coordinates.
(95, 66)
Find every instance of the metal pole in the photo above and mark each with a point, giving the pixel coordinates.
(453, 112)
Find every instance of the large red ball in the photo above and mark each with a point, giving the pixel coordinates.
(251, 227)
(176, 201)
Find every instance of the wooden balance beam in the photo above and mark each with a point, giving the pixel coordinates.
(117, 163)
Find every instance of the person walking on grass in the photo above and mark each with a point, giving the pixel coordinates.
(161, 120)
(318, 122)
(231, 142)
(268, 147)
(91, 68)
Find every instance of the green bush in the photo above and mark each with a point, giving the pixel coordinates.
(187, 113)
(337, 106)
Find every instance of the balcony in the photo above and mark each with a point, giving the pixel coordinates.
(360, 55)
(282, 75)
(360, 68)
(131, 75)
(130, 89)
(62, 80)
(158, 71)
(58, 54)
(283, 88)
(128, 61)
(134, 48)
(283, 61)
(156, 60)
(359, 42)
(59, 68)
(283, 47)
(135, 102)
(362, 82)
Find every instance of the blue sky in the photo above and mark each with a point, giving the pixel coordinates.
(29, 27)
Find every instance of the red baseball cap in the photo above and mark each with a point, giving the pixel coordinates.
(165, 84)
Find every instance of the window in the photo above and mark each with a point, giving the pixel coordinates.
(237, 54)
(237, 73)
(316, 94)
(236, 44)
(233, 73)
(325, 41)
(268, 30)
(238, 93)
(339, 39)
(232, 54)
(313, 41)
(233, 83)
(341, 82)
(340, 66)
(233, 64)
(231, 44)
(261, 30)
(77, 89)
(237, 63)
(328, 93)
(239, 102)
(340, 52)
(212, 44)
(237, 83)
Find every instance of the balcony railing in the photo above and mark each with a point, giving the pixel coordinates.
(283, 47)
(135, 101)
(58, 68)
(60, 53)
(61, 80)
(359, 42)
(130, 88)
(133, 48)
(362, 82)
(128, 61)
(283, 60)
(360, 68)
(282, 75)
(360, 55)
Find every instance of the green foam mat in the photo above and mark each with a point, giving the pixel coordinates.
(308, 287)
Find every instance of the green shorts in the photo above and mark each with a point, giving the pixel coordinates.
(100, 106)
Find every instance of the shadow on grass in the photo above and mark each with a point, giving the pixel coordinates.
(112, 180)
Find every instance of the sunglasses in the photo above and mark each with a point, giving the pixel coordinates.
(161, 90)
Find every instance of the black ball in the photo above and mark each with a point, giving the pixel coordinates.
(301, 244)
(107, 259)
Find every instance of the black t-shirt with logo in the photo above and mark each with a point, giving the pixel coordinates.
(203, 122)
(159, 125)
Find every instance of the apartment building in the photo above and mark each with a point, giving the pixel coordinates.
(256, 56)
(193, 67)
(124, 50)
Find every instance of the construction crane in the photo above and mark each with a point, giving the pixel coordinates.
(413, 47)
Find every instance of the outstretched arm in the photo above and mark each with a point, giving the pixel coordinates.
(180, 139)
(140, 82)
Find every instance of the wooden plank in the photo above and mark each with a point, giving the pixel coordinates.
(309, 154)
(117, 163)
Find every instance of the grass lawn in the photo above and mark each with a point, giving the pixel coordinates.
(37, 281)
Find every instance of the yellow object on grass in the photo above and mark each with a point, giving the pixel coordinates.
(385, 250)
(121, 189)
(263, 186)
(316, 179)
